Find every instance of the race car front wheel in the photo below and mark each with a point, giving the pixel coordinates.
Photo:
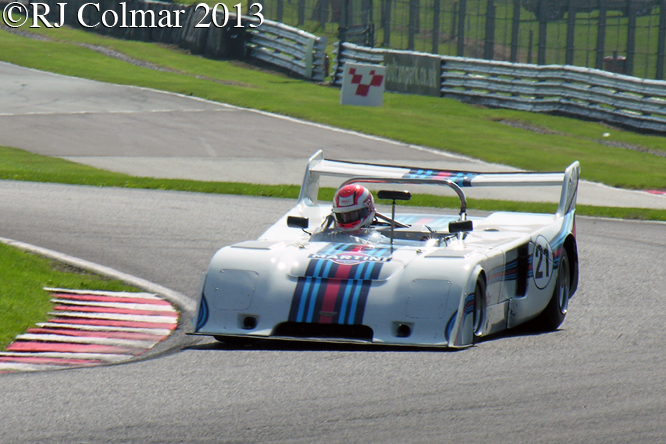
(479, 306)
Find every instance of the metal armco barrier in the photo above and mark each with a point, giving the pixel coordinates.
(290, 48)
(274, 43)
(581, 92)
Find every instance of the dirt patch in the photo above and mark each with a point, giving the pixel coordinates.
(529, 127)
(632, 147)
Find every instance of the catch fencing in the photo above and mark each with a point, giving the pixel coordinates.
(623, 36)
(582, 92)
(277, 44)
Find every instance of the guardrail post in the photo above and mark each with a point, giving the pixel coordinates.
(489, 40)
(543, 35)
(462, 12)
(571, 30)
(309, 48)
(515, 28)
(435, 26)
(631, 43)
(601, 36)
(661, 45)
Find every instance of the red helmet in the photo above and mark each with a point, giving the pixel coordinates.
(353, 207)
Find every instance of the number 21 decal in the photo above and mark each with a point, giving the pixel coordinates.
(542, 262)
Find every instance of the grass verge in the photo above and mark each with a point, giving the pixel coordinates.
(16, 164)
(525, 140)
(23, 302)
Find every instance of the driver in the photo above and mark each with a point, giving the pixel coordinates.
(353, 209)
(353, 212)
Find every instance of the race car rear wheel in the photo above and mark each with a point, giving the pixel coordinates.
(554, 314)
(479, 306)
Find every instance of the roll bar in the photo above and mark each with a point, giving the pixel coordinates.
(446, 182)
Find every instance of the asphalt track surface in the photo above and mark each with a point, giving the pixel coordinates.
(600, 378)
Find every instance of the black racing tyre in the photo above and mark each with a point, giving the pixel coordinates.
(554, 314)
(479, 307)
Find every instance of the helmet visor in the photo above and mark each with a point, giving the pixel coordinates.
(352, 216)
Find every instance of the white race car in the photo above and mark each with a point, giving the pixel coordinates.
(416, 279)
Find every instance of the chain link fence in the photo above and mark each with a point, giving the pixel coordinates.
(624, 36)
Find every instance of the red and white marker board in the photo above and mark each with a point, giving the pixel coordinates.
(363, 85)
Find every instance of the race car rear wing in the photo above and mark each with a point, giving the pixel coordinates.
(318, 166)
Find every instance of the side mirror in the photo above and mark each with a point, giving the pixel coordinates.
(460, 226)
(394, 195)
(298, 222)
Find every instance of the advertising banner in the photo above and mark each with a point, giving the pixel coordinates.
(413, 74)
(363, 85)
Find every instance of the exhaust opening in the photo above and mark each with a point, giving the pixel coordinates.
(249, 323)
(403, 331)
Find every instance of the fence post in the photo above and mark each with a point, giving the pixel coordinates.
(280, 10)
(489, 40)
(462, 12)
(346, 12)
(435, 26)
(543, 35)
(301, 12)
(413, 23)
(631, 43)
(601, 36)
(571, 33)
(320, 13)
(387, 23)
(365, 12)
(515, 28)
(530, 44)
(661, 44)
(454, 28)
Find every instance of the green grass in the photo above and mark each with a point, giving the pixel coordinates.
(16, 164)
(23, 302)
(438, 123)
